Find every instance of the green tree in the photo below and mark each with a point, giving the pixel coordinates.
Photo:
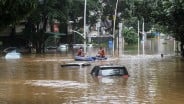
(76, 10)
(130, 35)
(170, 15)
(44, 14)
(12, 12)
(48, 10)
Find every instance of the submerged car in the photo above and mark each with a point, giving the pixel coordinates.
(63, 47)
(10, 49)
(109, 70)
(15, 49)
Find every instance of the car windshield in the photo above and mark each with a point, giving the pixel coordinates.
(112, 72)
(10, 49)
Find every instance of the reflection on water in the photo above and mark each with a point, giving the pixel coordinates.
(152, 46)
(56, 84)
(39, 79)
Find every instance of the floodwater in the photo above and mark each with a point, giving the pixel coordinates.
(39, 79)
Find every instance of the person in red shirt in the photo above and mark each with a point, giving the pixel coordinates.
(101, 52)
(80, 52)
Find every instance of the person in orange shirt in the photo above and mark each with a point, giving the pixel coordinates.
(101, 52)
(80, 52)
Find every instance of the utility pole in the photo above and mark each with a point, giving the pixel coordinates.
(120, 43)
(85, 46)
(138, 36)
(113, 35)
(143, 37)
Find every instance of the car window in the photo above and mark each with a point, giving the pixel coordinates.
(10, 49)
(111, 72)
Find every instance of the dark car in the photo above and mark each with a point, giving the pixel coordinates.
(109, 70)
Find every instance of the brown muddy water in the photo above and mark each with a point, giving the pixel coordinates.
(39, 79)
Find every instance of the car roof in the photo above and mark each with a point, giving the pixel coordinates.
(9, 49)
(111, 66)
(96, 69)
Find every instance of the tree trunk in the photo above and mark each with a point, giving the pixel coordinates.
(182, 49)
(12, 35)
(43, 37)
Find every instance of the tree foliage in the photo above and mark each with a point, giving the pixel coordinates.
(12, 11)
(130, 35)
(49, 10)
(164, 14)
(45, 13)
(170, 14)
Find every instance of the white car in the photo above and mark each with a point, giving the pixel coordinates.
(12, 53)
(62, 48)
(15, 49)
(10, 49)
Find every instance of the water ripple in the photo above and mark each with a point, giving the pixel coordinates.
(57, 84)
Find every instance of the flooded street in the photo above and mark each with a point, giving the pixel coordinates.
(39, 79)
